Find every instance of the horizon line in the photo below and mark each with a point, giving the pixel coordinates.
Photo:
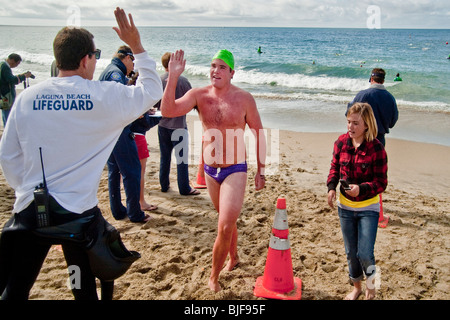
(206, 26)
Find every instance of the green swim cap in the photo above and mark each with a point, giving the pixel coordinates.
(226, 56)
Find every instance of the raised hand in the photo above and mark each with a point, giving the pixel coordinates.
(127, 31)
(177, 63)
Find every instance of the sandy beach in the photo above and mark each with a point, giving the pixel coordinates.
(412, 253)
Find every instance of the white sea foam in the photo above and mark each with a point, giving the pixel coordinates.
(300, 81)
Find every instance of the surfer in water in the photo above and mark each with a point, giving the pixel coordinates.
(398, 78)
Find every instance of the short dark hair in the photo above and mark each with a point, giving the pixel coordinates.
(123, 52)
(378, 75)
(70, 46)
(15, 57)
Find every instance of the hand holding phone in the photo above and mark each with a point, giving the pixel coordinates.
(345, 184)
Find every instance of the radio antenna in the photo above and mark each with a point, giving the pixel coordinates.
(42, 165)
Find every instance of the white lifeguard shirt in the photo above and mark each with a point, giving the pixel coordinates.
(76, 122)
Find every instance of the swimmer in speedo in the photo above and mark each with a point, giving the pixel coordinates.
(222, 108)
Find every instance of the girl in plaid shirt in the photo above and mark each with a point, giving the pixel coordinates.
(360, 159)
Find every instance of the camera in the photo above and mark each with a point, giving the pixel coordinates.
(41, 202)
(32, 76)
(345, 184)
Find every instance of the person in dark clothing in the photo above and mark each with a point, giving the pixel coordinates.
(173, 135)
(139, 128)
(124, 159)
(8, 83)
(382, 102)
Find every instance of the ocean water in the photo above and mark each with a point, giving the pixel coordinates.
(304, 78)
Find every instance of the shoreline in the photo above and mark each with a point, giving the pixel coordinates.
(412, 253)
(309, 116)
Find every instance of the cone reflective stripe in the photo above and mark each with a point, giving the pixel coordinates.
(278, 273)
(278, 281)
(279, 243)
(280, 225)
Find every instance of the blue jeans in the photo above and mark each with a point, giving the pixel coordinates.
(359, 230)
(177, 140)
(124, 160)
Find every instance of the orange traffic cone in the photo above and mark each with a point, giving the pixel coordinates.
(278, 281)
(200, 183)
(382, 220)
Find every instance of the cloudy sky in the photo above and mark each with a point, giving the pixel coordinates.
(251, 13)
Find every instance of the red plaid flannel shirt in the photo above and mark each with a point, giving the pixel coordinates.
(365, 166)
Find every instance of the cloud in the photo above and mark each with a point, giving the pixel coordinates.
(275, 13)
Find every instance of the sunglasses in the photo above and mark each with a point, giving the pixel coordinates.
(97, 53)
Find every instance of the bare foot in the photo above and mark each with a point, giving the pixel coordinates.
(231, 264)
(147, 207)
(214, 285)
(370, 294)
(354, 294)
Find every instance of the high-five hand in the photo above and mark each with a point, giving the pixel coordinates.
(177, 63)
(127, 31)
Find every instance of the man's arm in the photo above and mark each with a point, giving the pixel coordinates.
(394, 118)
(8, 77)
(171, 107)
(149, 81)
(254, 123)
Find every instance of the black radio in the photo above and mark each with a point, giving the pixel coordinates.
(41, 200)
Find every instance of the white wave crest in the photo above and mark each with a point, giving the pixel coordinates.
(300, 81)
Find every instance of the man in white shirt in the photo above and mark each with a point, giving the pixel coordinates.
(76, 123)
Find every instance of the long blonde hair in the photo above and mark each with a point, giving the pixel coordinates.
(366, 113)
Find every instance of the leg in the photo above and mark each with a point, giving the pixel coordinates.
(142, 148)
(84, 287)
(118, 210)
(130, 168)
(357, 289)
(234, 258)
(5, 115)
(165, 148)
(367, 233)
(27, 254)
(349, 229)
(228, 198)
(142, 201)
(107, 289)
(144, 205)
(180, 141)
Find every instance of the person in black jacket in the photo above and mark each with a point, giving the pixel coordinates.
(8, 83)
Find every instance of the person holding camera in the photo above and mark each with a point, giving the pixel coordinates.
(8, 83)
(360, 164)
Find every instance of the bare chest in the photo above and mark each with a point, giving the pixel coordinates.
(222, 114)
